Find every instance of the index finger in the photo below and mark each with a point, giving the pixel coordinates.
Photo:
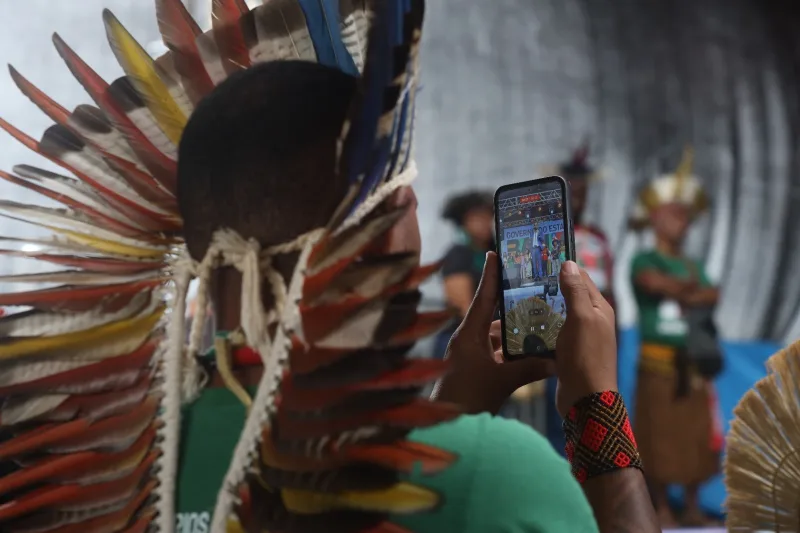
(594, 293)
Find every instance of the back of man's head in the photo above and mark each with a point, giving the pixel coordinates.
(258, 155)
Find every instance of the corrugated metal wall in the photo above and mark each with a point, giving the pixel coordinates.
(510, 86)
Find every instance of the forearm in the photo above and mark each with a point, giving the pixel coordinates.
(602, 451)
(621, 502)
(707, 297)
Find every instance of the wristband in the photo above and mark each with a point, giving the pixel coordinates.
(599, 436)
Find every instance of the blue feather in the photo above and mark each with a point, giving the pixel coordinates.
(377, 72)
(368, 156)
(323, 19)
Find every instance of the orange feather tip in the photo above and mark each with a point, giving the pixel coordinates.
(403, 456)
(78, 298)
(63, 467)
(81, 433)
(78, 495)
(180, 32)
(416, 414)
(425, 324)
(49, 106)
(321, 320)
(304, 359)
(414, 373)
(227, 18)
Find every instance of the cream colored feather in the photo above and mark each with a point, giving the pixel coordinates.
(762, 464)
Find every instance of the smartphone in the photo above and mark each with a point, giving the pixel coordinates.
(534, 237)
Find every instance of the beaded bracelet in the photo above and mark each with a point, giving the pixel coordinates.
(599, 436)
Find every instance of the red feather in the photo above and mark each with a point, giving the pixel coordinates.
(233, 49)
(70, 466)
(77, 495)
(425, 324)
(49, 106)
(80, 433)
(125, 204)
(388, 527)
(92, 264)
(113, 521)
(320, 320)
(69, 298)
(144, 183)
(144, 523)
(416, 414)
(100, 405)
(305, 359)
(180, 32)
(101, 219)
(413, 374)
(403, 456)
(83, 377)
(163, 168)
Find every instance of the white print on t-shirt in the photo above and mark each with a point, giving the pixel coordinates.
(670, 319)
(193, 522)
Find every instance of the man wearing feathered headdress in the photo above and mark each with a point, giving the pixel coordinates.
(675, 405)
(270, 158)
(592, 248)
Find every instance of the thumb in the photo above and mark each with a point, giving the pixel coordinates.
(481, 312)
(575, 291)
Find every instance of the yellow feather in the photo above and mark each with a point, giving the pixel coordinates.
(110, 247)
(402, 498)
(77, 340)
(234, 526)
(141, 68)
(684, 171)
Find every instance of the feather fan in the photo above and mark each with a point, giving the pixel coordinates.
(762, 463)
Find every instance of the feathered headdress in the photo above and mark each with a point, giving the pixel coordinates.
(762, 463)
(681, 187)
(577, 167)
(93, 372)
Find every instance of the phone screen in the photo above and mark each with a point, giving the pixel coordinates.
(535, 237)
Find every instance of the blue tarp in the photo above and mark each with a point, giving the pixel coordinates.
(744, 365)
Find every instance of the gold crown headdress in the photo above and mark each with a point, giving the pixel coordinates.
(681, 187)
(92, 375)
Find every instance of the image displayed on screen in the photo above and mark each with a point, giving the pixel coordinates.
(532, 248)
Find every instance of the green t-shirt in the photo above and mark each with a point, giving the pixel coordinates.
(508, 479)
(661, 320)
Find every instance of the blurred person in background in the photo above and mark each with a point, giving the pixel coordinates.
(592, 249)
(472, 213)
(676, 417)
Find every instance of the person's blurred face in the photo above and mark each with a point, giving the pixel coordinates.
(478, 223)
(578, 187)
(671, 222)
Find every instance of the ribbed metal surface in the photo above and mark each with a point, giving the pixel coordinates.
(510, 86)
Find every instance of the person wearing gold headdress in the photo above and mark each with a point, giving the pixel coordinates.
(674, 415)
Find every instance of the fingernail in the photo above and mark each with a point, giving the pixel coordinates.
(571, 268)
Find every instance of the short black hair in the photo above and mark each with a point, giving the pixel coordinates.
(458, 207)
(258, 155)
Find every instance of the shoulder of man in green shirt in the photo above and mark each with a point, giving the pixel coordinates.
(507, 478)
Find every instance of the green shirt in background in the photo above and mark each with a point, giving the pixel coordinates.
(660, 320)
(508, 479)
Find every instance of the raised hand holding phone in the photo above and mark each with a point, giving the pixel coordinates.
(480, 380)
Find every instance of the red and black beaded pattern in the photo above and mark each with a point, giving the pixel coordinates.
(599, 436)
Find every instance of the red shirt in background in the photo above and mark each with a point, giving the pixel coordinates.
(593, 254)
